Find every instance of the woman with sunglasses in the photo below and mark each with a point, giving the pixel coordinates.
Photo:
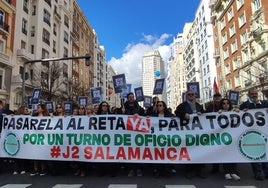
(230, 169)
(59, 110)
(163, 170)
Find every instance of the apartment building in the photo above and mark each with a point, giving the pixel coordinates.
(7, 27)
(50, 30)
(176, 83)
(83, 42)
(241, 42)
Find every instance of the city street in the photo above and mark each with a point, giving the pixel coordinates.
(7, 180)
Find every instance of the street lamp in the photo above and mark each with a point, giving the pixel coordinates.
(87, 63)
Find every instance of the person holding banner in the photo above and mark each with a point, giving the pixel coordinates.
(59, 110)
(183, 111)
(42, 110)
(230, 169)
(132, 107)
(214, 106)
(103, 168)
(81, 167)
(20, 164)
(162, 169)
(253, 102)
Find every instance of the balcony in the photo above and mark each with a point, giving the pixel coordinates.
(22, 53)
(4, 58)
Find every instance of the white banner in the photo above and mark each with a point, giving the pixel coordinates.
(208, 138)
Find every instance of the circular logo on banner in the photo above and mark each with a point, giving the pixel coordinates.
(252, 145)
(11, 144)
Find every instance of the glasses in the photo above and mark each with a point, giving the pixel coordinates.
(190, 94)
(58, 107)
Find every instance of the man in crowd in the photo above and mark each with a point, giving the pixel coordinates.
(183, 111)
(253, 102)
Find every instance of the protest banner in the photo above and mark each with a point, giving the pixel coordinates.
(208, 138)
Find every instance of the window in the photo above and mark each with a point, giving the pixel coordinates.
(65, 52)
(45, 54)
(2, 46)
(225, 53)
(54, 46)
(243, 38)
(33, 31)
(240, 3)
(22, 44)
(232, 30)
(230, 14)
(46, 36)
(234, 46)
(24, 26)
(2, 72)
(223, 24)
(55, 29)
(25, 6)
(46, 17)
(2, 18)
(236, 63)
(66, 37)
(34, 10)
(224, 38)
(242, 20)
(256, 5)
(66, 21)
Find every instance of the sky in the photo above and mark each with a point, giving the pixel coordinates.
(128, 28)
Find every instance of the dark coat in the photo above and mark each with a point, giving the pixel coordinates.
(185, 108)
(250, 105)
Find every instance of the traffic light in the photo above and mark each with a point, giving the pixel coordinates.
(87, 59)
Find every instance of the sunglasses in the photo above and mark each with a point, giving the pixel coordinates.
(58, 107)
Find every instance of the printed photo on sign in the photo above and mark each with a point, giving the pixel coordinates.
(67, 107)
(234, 97)
(36, 95)
(147, 101)
(29, 102)
(194, 86)
(119, 82)
(139, 94)
(50, 107)
(158, 86)
(125, 91)
(82, 100)
(96, 95)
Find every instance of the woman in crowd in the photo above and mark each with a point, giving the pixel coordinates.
(59, 110)
(230, 169)
(162, 169)
(81, 167)
(103, 168)
(40, 166)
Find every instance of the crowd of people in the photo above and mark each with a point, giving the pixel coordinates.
(132, 107)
